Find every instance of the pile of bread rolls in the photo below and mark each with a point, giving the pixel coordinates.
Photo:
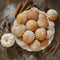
(34, 28)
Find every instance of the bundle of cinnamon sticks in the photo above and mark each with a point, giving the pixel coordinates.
(21, 7)
(52, 49)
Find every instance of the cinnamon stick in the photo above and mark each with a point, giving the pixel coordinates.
(47, 52)
(17, 9)
(25, 5)
(57, 45)
(28, 7)
(52, 49)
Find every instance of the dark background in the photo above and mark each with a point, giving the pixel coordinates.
(7, 8)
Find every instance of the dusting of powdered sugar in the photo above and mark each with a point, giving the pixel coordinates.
(40, 23)
(35, 9)
(51, 24)
(20, 29)
(49, 34)
(30, 35)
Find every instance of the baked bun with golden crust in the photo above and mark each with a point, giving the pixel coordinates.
(22, 17)
(42, 22)
(32, 15)
(35, 9)
(40, 34)
(32, 25)
(36, 45)
(18, 30)
(28, 36)
(44, 42)
(52, 14)
(42, 14)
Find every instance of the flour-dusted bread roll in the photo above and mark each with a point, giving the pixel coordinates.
(42, 14)
(51, 24)
(35, 46)
(22, 17)
(35, 9)
(40, 34)
(8, 40)
(52, 14)
(28, 36)
(50, 33)
(42, 22)
(44, 43)
(32, 15)
(32, 25)
(19, 30)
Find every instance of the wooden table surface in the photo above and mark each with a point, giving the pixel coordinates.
(7, 8)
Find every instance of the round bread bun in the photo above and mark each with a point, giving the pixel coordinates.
(32, 25)
(52, 14)
(32, 15)
(19, 30)
(51, 24)
(22, 17)
(28, 36)
(42, 14)
(35, 9)
(44, 42)
(42, 22)
(35, 46)
(49, 34)
(40, 34)
(8, 40)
